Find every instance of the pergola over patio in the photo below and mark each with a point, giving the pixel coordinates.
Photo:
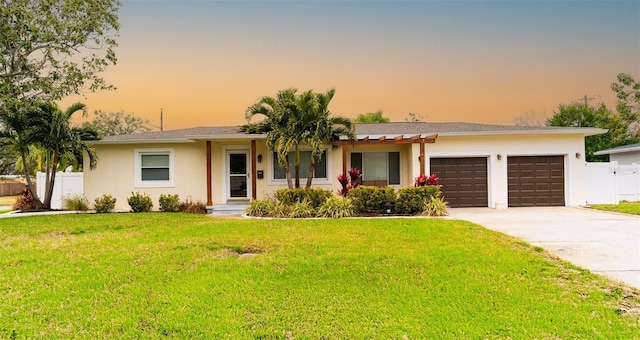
(383, 139)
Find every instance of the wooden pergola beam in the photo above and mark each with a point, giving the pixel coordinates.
(383, 140)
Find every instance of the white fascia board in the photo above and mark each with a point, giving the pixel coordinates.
(610, 151)
(584, 132)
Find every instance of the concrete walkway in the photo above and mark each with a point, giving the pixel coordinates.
(603, 242)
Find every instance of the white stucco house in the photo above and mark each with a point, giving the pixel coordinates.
(479, 165)
(624, 155)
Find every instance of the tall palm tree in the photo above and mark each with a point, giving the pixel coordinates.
(54, 132)
(16, 133)
(277, 124)
(324, 128)
(292, 120)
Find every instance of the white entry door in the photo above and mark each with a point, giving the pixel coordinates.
(238, 174)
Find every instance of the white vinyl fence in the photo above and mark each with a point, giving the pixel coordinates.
(610, 183)
(67, 184)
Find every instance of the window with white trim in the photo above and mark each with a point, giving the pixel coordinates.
(320, 168)
(154, 168)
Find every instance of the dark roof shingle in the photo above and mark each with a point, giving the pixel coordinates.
(379, 129)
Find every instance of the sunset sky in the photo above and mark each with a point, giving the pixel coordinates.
(205, 62)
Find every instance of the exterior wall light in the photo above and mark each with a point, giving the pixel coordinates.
(578, 155)
(499, 156)
(259, 158)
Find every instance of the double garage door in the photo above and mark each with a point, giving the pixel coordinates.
(532, 180)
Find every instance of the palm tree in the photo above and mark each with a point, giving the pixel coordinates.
(325, 128)
(292, 120)
(16, 133)
(278, 125)
(55, 134)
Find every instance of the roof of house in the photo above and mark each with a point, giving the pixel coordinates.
(371, 130)
(620, 149)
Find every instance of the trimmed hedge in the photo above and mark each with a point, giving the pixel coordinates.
(373, 200)
(315, 196)
(363, 200)
(411, 201)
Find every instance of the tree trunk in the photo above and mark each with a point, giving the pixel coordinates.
(51, 181)
(34, 194)
(287, 170)
(297, 167)
(47, 178)
(312, 167)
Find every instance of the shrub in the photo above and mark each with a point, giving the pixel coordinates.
(169, 203)
(259, 207)
(411, 201)
(336, 207)
(424, 180)
(436, 206)
(24, 201)
(191, 207)
(104, 204)
(75, 202)
(301, 209)
(373, 200)
(349, 182)
(315, 196)
(140, 202)
(279, 209)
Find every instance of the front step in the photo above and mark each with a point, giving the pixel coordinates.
(230, 208)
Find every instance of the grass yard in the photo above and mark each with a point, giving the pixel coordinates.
(7, 200)
(623, 207)
(161, 274)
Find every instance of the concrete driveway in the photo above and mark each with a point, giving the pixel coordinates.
(605, 243)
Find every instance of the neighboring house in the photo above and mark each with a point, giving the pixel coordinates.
(624, 155)
(479, 165)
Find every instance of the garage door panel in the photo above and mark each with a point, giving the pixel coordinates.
(526, 187)
(526, 173)
(541, 187)
(542, 173)
(535, 181)
(464, 180)
(557, 173)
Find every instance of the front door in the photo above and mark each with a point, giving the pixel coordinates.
(238, 174)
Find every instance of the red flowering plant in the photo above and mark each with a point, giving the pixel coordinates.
(24, 201)
(349, 181)
(424, 180)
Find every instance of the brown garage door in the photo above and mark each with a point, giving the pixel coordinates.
(464, 180)
(536, 181)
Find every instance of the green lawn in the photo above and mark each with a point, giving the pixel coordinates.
(623, 207)
(7, 200)
(159, 274)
